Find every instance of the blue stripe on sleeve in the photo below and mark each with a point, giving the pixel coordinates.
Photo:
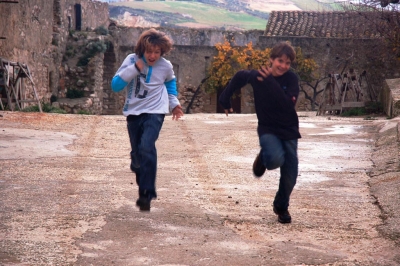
(171, 87)
(149, 72)
(118, 84)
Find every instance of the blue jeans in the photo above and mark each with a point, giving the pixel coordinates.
(144, 130)
(281, 153)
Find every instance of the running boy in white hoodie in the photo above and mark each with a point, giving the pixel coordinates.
(151, 93)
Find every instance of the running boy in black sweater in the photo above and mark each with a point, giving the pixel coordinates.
(275, 94)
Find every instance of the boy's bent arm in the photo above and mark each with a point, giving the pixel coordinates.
(172, 93)
(171, 87)
(125, 74)
(173, 101)
(286, 96)
(118, 84)
(239, 80)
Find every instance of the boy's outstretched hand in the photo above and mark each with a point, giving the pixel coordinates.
(177, 112)
(227, 111)
(265, 71)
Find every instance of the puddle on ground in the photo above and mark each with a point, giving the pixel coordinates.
(308, 172)
(307, 125)
(339, 130)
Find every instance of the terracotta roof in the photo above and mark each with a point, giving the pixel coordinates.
(319, 25)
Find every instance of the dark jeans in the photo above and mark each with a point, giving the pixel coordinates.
(143, 132)
(281, 153)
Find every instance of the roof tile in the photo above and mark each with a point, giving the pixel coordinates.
(319, 25)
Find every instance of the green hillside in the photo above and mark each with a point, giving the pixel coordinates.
(228, 14)
(181, 13)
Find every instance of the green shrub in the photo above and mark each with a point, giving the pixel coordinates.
(374, 108)
(70, 52)
(32, 108)
(92, 49)
(101, 30)
(357, 111)
(369, 108)
(58, 111)
(46, 107)
(83, 112)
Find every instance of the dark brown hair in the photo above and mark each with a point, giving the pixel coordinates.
(153, 37)
(283, 48)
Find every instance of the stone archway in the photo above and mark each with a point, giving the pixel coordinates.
(112, 104)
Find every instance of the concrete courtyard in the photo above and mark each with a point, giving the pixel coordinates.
(67, 196)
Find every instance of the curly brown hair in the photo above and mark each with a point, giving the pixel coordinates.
(153, 37)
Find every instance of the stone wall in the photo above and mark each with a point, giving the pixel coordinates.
(191, 61)
(82, 73)
(189, 37)
(35, 34)
(390, 97)
(27, 27)
(190, 64)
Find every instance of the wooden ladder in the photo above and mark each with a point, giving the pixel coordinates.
(331, 96)
(342, 92)
(12, 75)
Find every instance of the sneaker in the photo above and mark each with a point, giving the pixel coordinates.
(283, 216)
(143, 203)
(258, 167)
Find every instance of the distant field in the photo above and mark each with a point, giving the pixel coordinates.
(314, 5)
(205, 15)
(286, 5)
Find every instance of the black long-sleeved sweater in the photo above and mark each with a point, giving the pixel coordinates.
(274, 99)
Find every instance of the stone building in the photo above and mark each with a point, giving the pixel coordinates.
(35, 33)
(53, 37)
